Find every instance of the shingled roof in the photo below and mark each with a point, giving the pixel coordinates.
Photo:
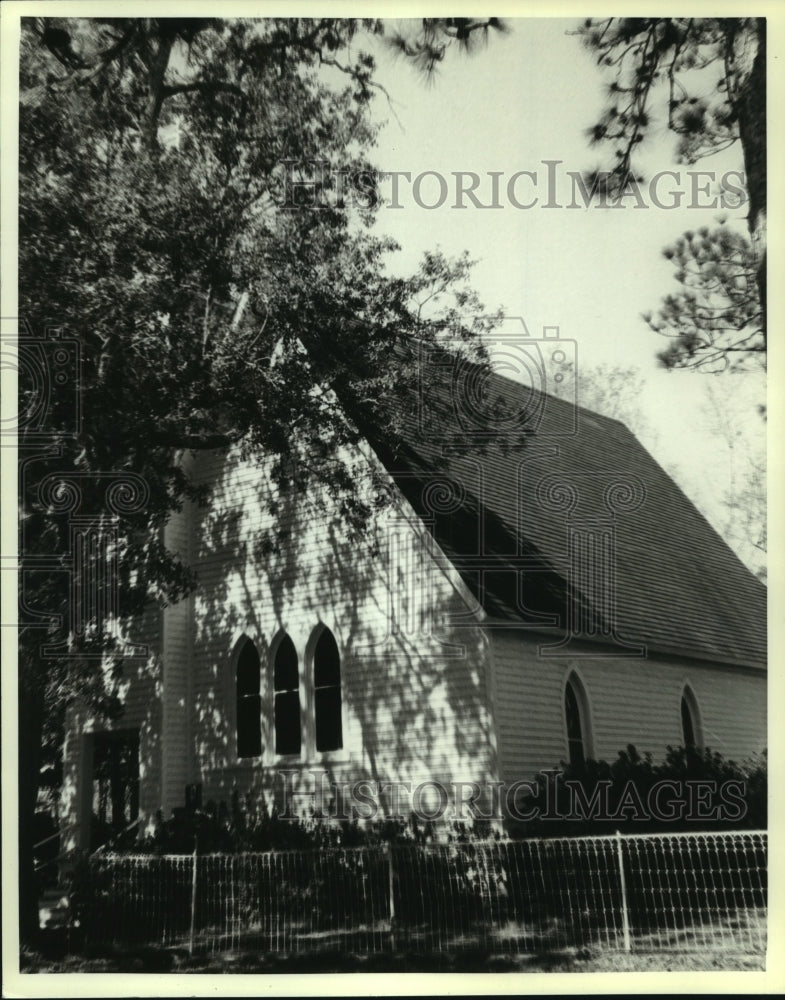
(512, 482)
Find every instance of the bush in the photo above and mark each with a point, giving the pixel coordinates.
(246, 824)
(691, 790)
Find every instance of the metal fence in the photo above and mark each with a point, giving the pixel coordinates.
(688, 892)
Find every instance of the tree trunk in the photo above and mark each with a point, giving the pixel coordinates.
(751, 109)
(156, 73)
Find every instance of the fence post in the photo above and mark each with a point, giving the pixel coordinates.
(625, 918)
(193, 897)
(390, 876)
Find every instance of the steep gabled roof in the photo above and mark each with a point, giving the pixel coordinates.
(512, 497)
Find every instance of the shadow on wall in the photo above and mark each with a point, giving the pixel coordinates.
(414, 695)
(112, 773)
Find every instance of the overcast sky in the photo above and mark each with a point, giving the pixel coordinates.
(528, 98)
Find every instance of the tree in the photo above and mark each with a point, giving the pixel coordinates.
(426, 43)
(708, 76)
(742, 506)
(612, 390)
(157, 231)
(715, 323)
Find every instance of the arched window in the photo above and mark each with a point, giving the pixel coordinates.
(576, 717)
(327, 693)
(249, 701)
(286, 682)
(690, 720)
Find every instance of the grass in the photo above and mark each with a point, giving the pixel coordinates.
(54, 959)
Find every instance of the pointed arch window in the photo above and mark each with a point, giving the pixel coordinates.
(576, 717)
(690, 720)
(327, 693)
(249, 701)
(286, 682)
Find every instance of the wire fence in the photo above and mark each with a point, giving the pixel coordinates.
(680, 892)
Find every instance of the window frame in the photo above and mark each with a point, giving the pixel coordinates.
(574, 683)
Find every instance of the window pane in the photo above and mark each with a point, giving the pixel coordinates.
(326, 661)
(329, 731)
(249, 726)
(573, 714)
(115, 783)
(286, 675)
(287, 722)
(687, 728)
(248, 670)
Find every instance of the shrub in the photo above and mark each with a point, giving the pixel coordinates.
(246, 824)
(690, 790)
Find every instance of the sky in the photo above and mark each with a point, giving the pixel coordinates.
(525, 99)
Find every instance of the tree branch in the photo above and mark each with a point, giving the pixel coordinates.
(203, 87)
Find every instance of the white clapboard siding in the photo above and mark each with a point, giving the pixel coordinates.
(410, 712)
(631, 701)
(176, 625)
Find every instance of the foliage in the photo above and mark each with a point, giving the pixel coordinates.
(707, 77)
(743, 504)
(746, 504)
(246, 823)
(697, 68)
(612, 390)
(628, 783)
(715, 323)
(426, 43)
(206, 312)
(668, 58)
